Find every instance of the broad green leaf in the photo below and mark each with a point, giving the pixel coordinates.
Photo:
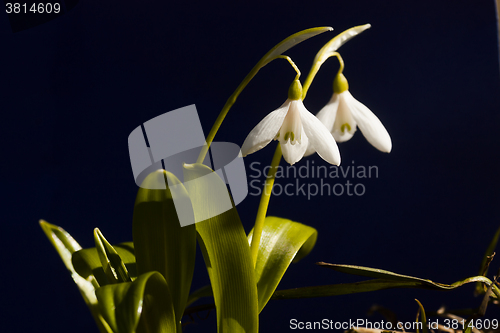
(422, 283)
(329, 50)
(88, 264)
(226, 252)
(66, 245)
(483, 269)
(282, 242)
(142, 306)
(423, 319)
(160, 243)
(112, 263)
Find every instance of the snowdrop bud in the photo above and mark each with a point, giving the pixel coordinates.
(340, 84)
(295, 90)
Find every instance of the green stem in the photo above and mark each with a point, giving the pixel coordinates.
(229, 103)
(232, 99)
(297, 70)
(272, 54)
(266, 193)
(315, 68)
(264, 203)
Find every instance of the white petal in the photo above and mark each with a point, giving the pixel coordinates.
(294, 153)
(328, 113)
(327, 116)
(309, 151)
(344, 126)
(291, 129)
(370, 125)
(319, 137)
(265, 131)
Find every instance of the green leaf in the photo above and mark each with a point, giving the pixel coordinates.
(423, 319)
(142, 306)
(386, 280)
(112, 263)
(225, 250)
(483, 269)
(372, 272)
(421, 283)
(282, 242)
(66, 245)
(161, 244)
(88, 264)
(341, 289)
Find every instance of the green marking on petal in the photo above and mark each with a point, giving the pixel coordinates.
(292, 137)
(287, 135)
(343, 128)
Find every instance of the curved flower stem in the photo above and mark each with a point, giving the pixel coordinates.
(291, 63)
(272, 54)
(264, 203)
(315, 68)
(230, 101)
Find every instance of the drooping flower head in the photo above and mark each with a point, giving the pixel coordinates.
(343, 113)
(296, 129)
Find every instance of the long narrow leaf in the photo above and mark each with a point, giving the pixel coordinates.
(281, 242)
(88, 264)
(226, 252)
(423, 318)
(161, 244)
(341, 289)
(379, 273)
(113, 265)
(143, 306)
(66, 245)
(367, 286)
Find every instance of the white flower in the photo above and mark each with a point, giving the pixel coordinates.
(343, 113)
(296, 129)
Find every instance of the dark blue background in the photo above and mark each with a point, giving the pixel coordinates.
(75, 87)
